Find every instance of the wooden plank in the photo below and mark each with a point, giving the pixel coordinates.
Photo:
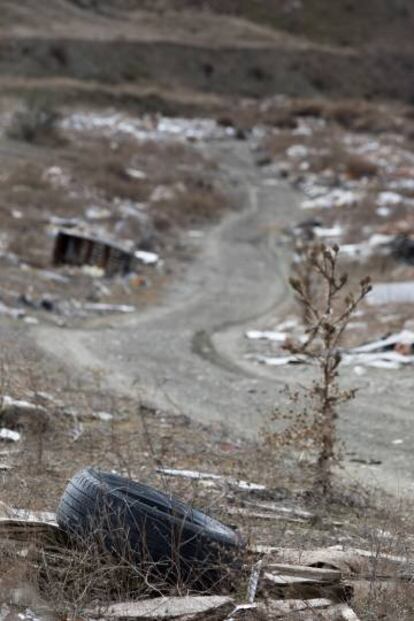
(258, 515)
(301, 571)
(189, 607)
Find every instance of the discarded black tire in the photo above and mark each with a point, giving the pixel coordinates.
(155, 531)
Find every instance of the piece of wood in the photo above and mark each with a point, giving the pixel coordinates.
(258, 515)
(27, 526)
(282, 609)
(236, 484)
(182, 608)
(277, 586)
(309, 573)
(276, 508)
(349, 562)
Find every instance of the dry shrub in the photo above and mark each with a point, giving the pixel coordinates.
(389, 600)
(327, 307)
(358, 167)
(351, 115)
(104, 166)
(194, 206)
(36, 123)
(315, 108)
(100, 166)
(361, 116)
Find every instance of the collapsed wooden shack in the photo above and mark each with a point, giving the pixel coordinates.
(75, 247)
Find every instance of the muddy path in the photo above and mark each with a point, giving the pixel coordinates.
(187, 354)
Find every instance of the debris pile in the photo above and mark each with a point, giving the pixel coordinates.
(150, 127)
(282, 583)
(392, 352)
(352, 180)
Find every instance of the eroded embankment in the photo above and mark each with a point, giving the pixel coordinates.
(297, 69)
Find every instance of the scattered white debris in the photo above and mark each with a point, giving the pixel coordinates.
(391, 293)
(334, 231)
(358, 370)
(268, 335)
(18, 407)
(391, 353)
(402, 184)
(105, 417)
(195, 234)
(31, 321)
(53, 276)
(357, 325)
(385, 199)
(148, 258)
(146, 127)
(376, 244)
(190, 474)
(108, 308)
(383, 212)
(162, 193)
(302, 130)
(276, 508)
(297, 152)
(205, 476)
(134, 173)
(379, 240)
(13, 313)
(277, 361)
(380, 360)
(245, 486)
(56, 176)
(93, 271)
(97, 213)
(335, 198)
(405, 337)
(288, 324)
(8, 435)
(261, 515)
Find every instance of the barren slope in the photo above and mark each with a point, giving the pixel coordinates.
(224, 54)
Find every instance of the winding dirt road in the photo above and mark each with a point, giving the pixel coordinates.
(187, 354)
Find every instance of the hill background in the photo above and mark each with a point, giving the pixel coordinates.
(247, 48)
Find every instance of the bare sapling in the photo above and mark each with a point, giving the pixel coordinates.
(328, 305)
